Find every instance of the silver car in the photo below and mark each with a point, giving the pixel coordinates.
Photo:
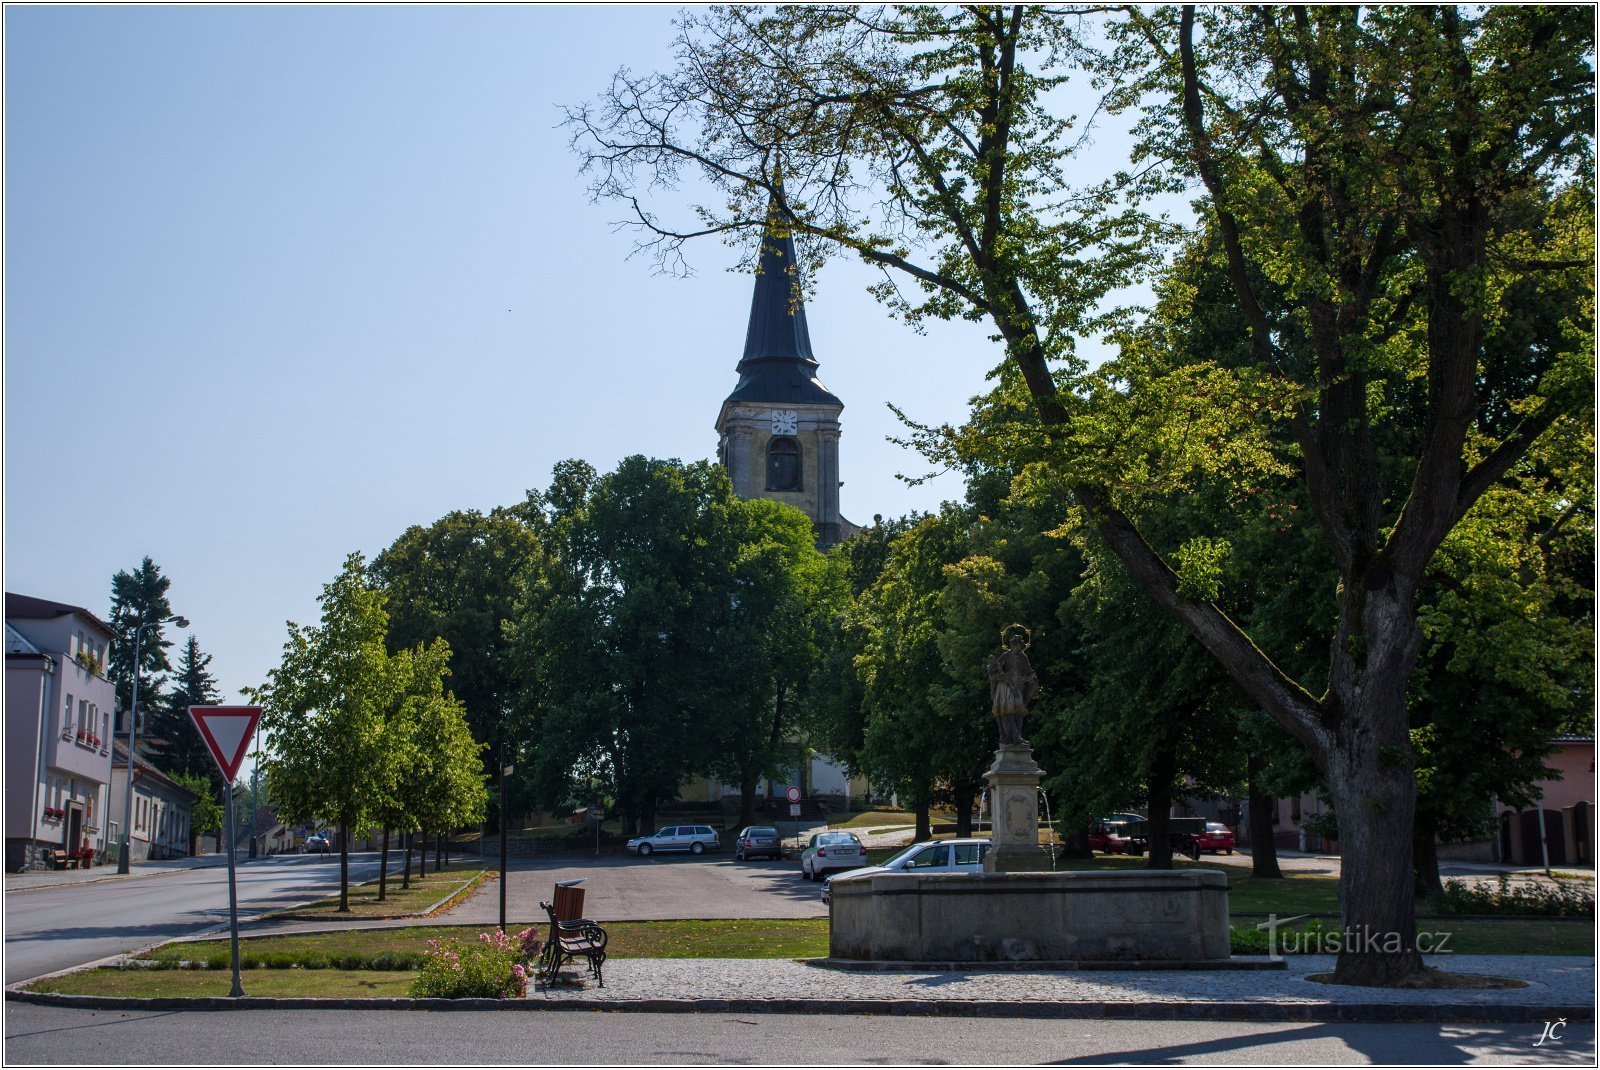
(696, 839)
(831, 852)
(930, 856)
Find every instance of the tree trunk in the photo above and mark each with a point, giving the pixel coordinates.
(422, 855)
(344, 867)
(964, 810)
(924, 821)
(747, 799)
(405, 881)
(1263, 848)
(438, 855)
(1425, 844)
(1374, 797)
(383, 867)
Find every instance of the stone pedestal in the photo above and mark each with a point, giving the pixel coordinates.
(1014, 804)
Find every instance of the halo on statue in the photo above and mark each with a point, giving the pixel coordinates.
(1027, 635)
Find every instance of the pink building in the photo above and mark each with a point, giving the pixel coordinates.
(1567, 810)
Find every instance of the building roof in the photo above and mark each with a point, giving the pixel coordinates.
(778, 365)
(142, 768)
(16, 644)
(26, 607)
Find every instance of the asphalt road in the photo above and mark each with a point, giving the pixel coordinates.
(53, 1035)
(57, 927)
(626, 888)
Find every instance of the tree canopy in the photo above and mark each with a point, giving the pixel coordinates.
(1395, 176)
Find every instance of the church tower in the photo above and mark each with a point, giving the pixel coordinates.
(778, 432)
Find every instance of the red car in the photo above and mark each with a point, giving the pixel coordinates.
(1216, 837)
(1111, 837)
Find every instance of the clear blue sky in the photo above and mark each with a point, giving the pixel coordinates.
(282, 281)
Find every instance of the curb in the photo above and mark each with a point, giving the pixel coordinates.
(1148, 1011)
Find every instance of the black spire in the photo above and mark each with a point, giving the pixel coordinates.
(777, 364)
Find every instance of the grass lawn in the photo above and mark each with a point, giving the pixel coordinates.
(281, 984)
(787, 939)
(866, 819)
(454, 881)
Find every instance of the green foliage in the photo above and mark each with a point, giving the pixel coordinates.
(1553, 899)
(495, 966)
(1201, 565)
(172, 730)
(326, 709)
(927, 729)
(206, 815)
(139, 597)
(632, 639)
(458, 580)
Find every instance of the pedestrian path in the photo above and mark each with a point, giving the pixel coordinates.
(1556, 985)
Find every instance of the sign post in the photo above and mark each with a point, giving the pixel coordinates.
(227, 731)
(793, 795)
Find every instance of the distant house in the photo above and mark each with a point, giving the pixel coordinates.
(58, 727)
(1567, 809)
(162, 808)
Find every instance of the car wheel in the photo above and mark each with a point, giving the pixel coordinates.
(738, 856)
(644, 850)
(697, 848)
(1228, 850)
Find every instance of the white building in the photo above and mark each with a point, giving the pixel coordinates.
(58, 731)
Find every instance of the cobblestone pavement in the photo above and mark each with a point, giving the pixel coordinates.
(1551, 981)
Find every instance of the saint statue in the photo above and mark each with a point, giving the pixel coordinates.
(1012, 685)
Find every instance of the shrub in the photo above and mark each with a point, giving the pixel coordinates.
(1557, 899)
(493, 967)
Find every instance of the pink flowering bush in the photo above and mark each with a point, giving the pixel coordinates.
(495, 966)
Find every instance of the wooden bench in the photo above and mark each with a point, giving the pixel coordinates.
(571, 936)
(65, 860)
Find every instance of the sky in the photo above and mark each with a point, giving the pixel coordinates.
(282, 281)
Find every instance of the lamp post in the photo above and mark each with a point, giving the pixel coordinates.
(123, 849)
(505, 771)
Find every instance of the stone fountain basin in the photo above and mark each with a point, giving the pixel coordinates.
(1077, 918)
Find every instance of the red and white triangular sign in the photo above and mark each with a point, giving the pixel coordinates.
(227, 731)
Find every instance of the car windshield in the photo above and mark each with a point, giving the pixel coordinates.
(763, 832)
(836, 837)
(670, 830)
(1216, 826)
(903, 855)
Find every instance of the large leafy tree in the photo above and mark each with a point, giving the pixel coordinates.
(629, 636)
(437, 778)
(927, 736)
(458, 579)
(138, 598)
(328, 711)
(786, 592)
(1395, 170)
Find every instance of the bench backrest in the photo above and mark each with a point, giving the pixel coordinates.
(568, 903)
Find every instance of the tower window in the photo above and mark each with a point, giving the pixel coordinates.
(783, 464)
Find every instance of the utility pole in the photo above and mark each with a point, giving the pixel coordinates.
(505, 771)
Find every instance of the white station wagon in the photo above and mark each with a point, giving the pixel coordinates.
(930, 856)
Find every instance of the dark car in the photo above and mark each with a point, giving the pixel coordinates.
(757, 840)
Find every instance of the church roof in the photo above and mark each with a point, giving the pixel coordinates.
(778, 365)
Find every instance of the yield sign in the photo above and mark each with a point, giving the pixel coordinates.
(227, 731)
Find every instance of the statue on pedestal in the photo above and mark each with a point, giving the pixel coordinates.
(1012, 685)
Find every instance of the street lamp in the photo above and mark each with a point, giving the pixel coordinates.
(133, 727)
(505, 771)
